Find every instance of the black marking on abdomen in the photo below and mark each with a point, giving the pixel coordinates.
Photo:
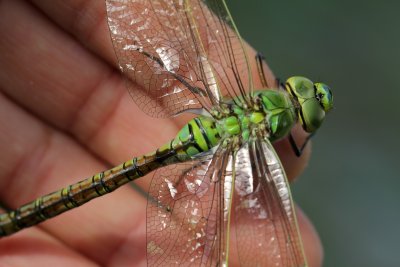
(39, 209)
(95, 186)
(161, 156)
(103, 184)
(70, 198)
(2, 231)
(136, 168)
(126, 173)
(14, 219)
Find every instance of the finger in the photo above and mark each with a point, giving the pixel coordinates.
(68, 87)
(39, 158)
(46, 251)
(312, 243)
(35, 160)
(32, 171)
(83, 19)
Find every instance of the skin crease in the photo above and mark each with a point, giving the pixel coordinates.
(65, 115)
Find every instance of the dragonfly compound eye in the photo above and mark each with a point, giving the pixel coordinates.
(314, 100)
(324, 96)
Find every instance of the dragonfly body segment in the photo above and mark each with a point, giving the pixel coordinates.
(77, 194)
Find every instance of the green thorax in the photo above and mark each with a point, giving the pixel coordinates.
(272, 114)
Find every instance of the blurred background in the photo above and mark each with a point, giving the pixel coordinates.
(351, 188)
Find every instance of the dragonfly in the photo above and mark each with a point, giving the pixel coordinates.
(187, 56)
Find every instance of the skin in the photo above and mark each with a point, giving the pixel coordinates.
(64, 115)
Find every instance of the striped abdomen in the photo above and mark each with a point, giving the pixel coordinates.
(197, 136)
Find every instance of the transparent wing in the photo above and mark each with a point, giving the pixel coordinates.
(186, 224)
(267, 230)
(176, 54)
(226, 52)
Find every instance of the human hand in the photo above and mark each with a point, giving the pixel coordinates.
(65, 114)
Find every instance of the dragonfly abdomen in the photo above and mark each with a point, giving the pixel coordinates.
(69, 197)
(77, 194)
(198, 136)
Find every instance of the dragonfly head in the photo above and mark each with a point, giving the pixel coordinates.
(314, 101)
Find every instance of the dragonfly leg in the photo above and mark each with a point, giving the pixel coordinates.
(260, 59)
(280, 84)
(296, 149)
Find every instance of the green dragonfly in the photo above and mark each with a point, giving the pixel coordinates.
(183, 56)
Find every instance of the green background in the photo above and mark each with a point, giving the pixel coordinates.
(351, 189)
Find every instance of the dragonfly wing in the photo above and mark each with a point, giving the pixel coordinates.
(157, 53)
(185, 225)
(225, 50)
(177, 54)
(266, 225)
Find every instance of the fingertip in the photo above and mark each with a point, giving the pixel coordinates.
(311, 241)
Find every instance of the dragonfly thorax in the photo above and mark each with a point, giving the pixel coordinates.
(271, 115)
(240, 124)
